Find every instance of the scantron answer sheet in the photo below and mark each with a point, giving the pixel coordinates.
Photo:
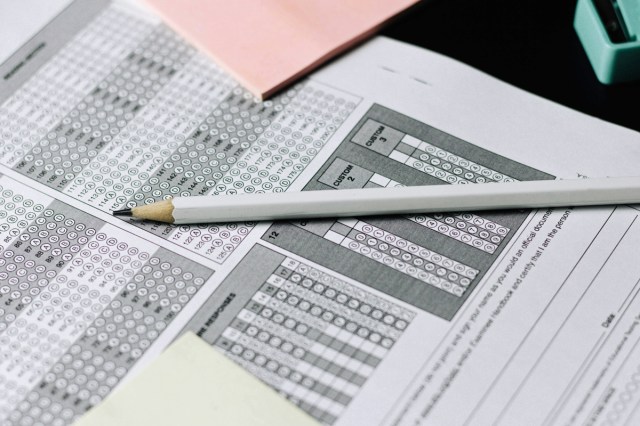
(517, 317)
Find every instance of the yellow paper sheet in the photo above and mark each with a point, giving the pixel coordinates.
(193, 384)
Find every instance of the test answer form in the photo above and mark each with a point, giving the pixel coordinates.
(518, 317)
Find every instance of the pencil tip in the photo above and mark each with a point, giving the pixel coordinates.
(123, 212)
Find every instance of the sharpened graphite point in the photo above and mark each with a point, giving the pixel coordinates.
(123, 212)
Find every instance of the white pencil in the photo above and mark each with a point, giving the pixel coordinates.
(386, 201)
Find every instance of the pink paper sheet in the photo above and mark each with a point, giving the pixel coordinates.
(266, 44)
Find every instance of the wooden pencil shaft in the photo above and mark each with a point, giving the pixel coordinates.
(160, 211)
(404, 200)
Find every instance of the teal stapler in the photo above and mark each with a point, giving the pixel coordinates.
(610, 33)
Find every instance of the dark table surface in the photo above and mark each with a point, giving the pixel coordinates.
(528, 43)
